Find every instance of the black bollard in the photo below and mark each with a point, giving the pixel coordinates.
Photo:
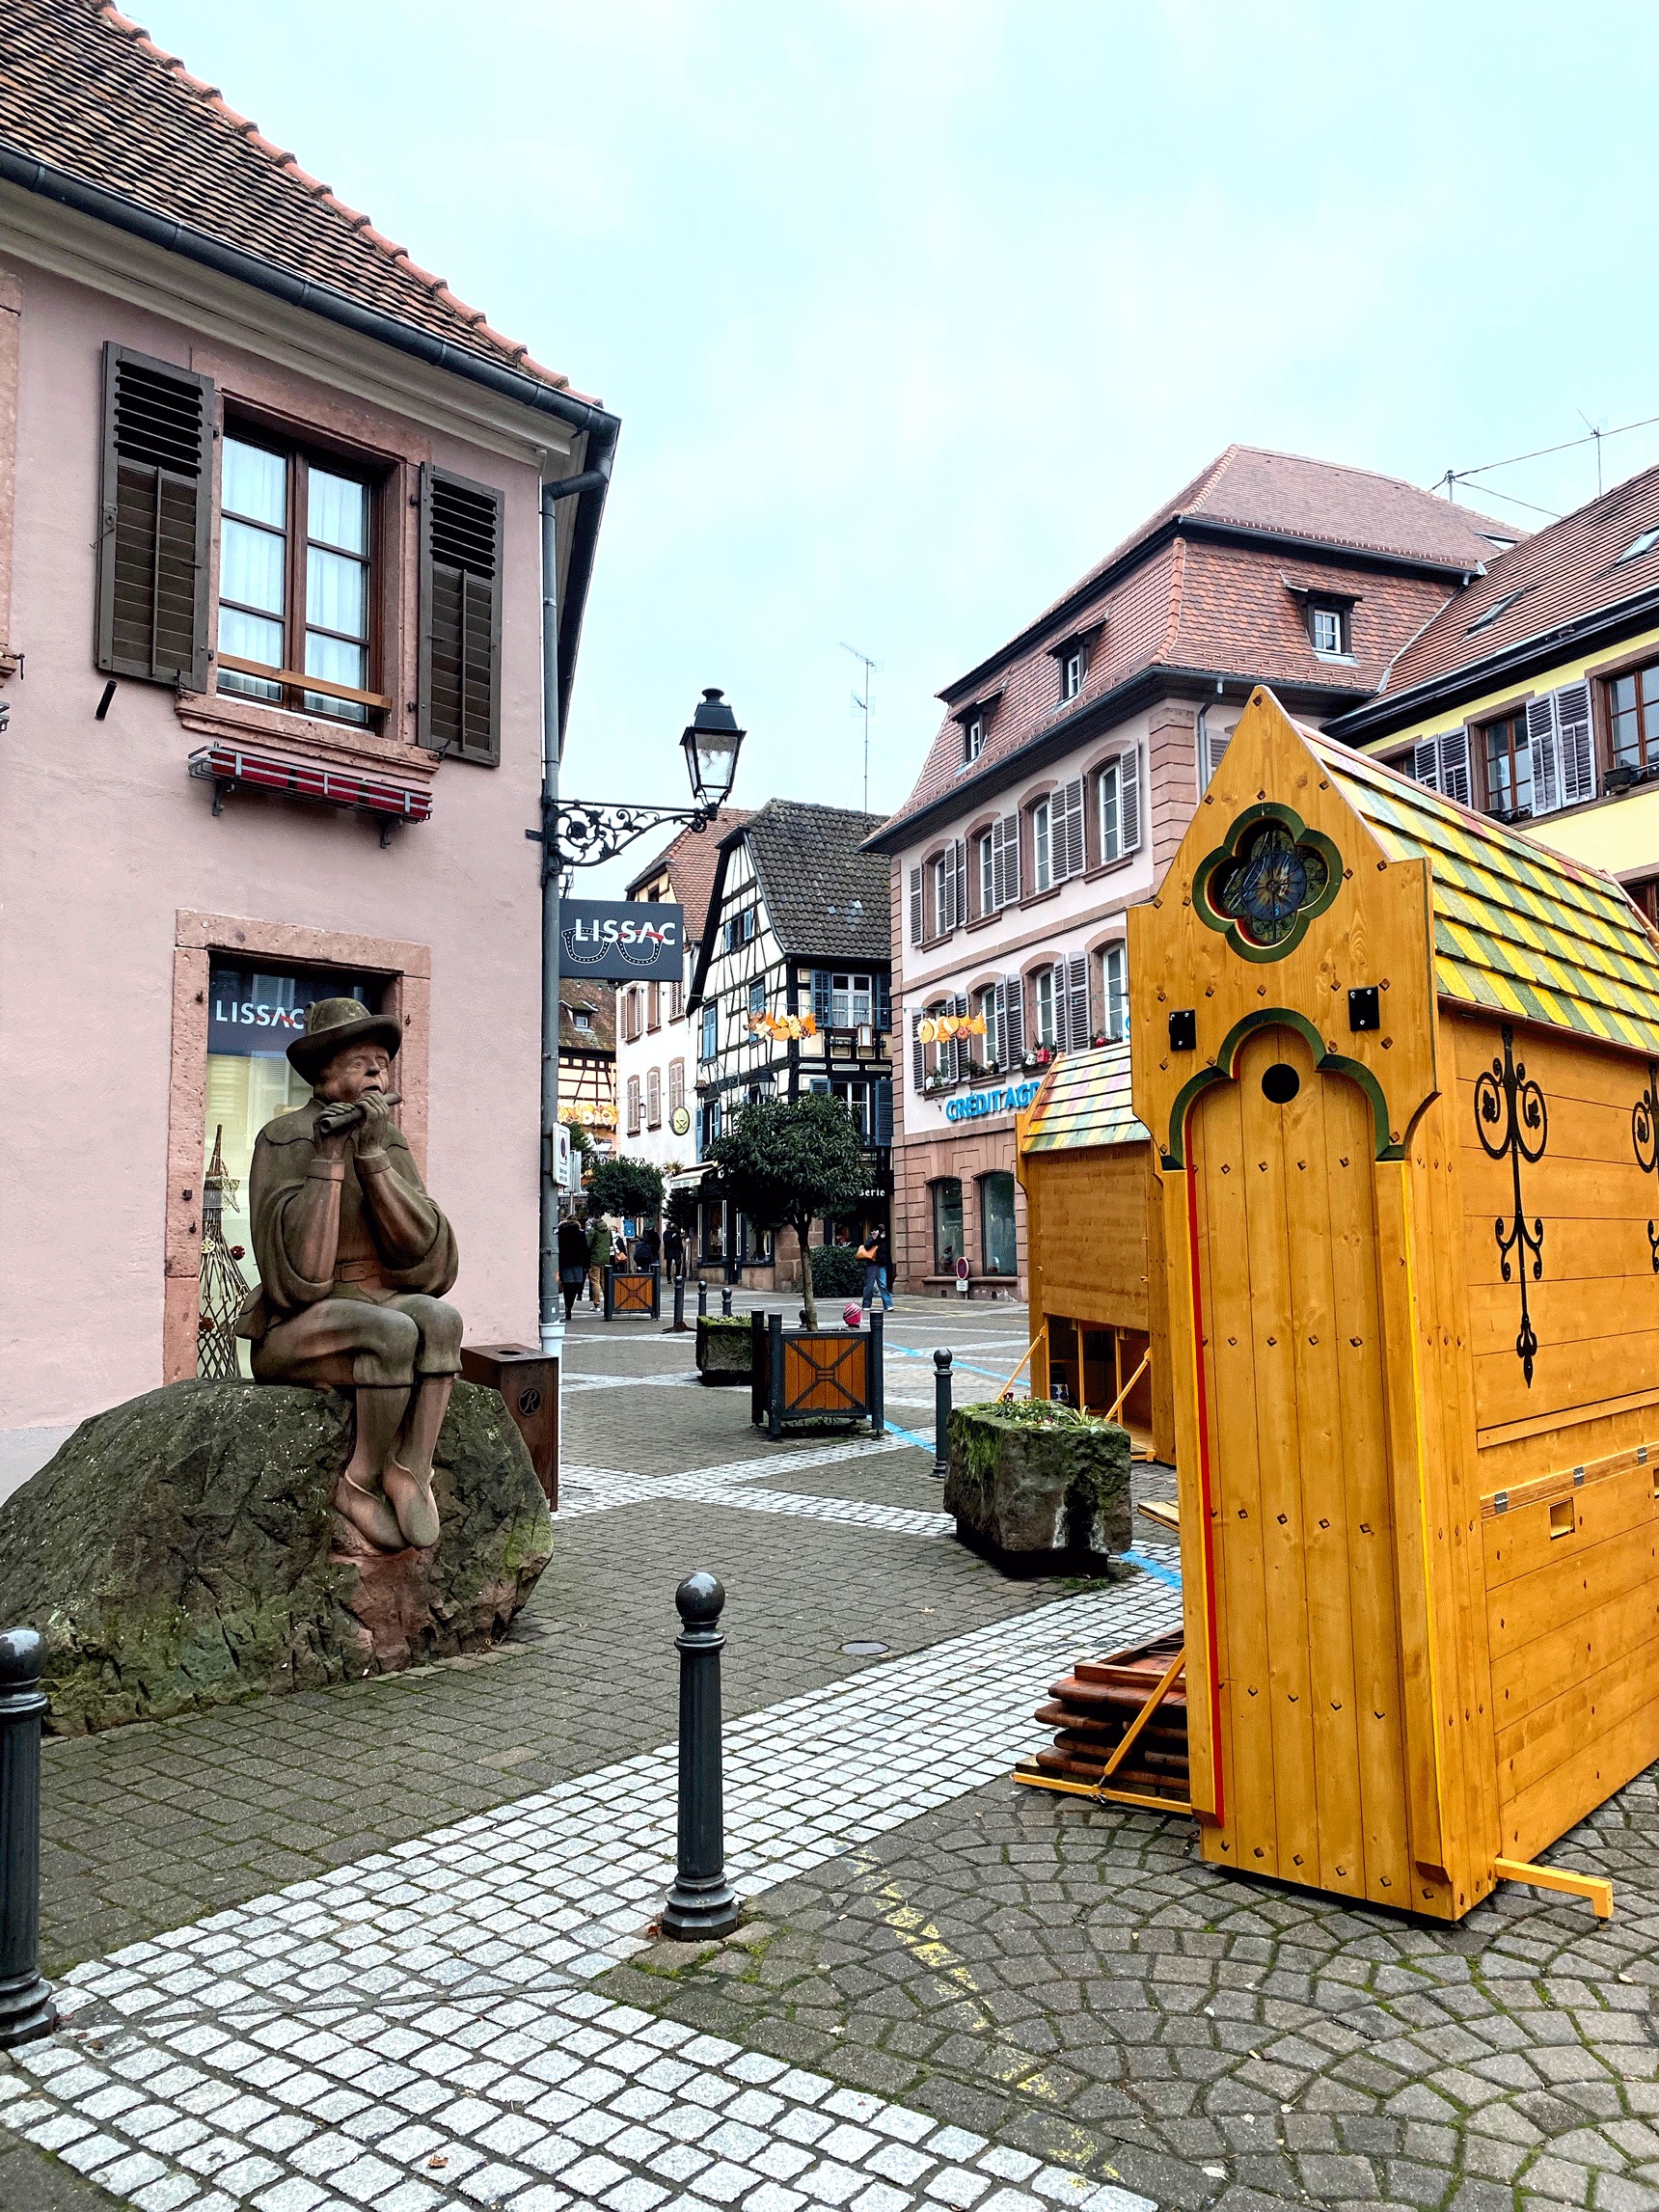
(677, 1327)
(942, 1417)
(27, 2007)
(701, 1902)
(725, 1301)
(703, 1300)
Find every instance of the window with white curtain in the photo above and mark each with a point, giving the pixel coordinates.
(1115, 990)
(1042, 847)
(1046, 1021)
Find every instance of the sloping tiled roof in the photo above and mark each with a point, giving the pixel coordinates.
(1224, 607)
(1084, 1101)
(1575, 567)
(85, 90)
(691, 862)
(600, 1000)
(1518, 930)
(827, 900)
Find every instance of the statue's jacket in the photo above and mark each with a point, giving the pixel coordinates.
(363, 1269)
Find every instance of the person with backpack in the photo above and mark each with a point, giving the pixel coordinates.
(572, 1261)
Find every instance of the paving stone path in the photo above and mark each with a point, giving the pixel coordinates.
(388, 1945)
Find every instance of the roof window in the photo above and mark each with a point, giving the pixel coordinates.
(1638, 546)
(1484, 621)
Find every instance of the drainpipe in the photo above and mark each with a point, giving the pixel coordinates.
(596, 478)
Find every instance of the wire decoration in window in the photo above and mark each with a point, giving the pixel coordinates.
(1509, 1101)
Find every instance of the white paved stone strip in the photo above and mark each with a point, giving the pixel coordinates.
(407, 2033)
(900, 1520)
(572, 1383)
(584, 1489)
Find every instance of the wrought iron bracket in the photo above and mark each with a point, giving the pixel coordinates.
(1511, 1102)
(581, 832)
(1644, 1142)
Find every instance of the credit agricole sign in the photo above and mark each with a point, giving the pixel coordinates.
(976, 1105)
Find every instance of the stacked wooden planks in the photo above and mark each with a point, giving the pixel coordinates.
(1094, 1705)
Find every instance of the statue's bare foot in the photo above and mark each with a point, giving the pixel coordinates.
(369, 1513)
(414, 1504)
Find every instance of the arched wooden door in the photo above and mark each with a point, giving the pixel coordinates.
(1289, 1314)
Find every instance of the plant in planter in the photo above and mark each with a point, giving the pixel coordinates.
(725, 1351)
(788, 1163)
(837, 1272)
(1037, 1486)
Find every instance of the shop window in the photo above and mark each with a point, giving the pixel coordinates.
(253, 1017)
(948, 1243)
(997, 1239)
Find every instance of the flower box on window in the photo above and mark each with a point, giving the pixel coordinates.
(227, 767)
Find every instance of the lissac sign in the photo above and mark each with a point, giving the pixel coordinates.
(622, 940)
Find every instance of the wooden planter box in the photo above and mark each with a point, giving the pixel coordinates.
(725, 1350)
(630, 1291)
(806, 1376)
(1039, 1501)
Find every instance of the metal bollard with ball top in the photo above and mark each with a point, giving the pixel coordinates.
(701, 1902)
(942, 1417)
(27, 2007)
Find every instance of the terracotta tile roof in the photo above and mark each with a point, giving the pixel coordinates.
(600, 1000)
(1575, 567)
(1196, 601)
(1084, 1101)
(691, 862)
(1518, 930)
(85, 90)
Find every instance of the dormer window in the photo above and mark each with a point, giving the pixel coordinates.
(1072, 668)
(973, 737)
(1329, 629)
(1485, 620)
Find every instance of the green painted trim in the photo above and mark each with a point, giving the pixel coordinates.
(1326, 1062)
(1266, 810)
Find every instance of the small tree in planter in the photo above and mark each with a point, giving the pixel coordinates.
(626, 1186)
(786, 1162)
(680, 1208)
(1038, 1485)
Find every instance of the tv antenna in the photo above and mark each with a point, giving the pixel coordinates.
(863, 705)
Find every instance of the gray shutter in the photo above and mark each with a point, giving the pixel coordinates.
(1455, 780)
(1215, 746)
(1426, 764)
(881, 1132)
(821, 997)
(1066, 831)
(1577, 745)
(1077, 992)
(959, 878)
(999, 1015)
(918, 1054)
(1005, 860)
(459, 698)
(157, 506)
(1546, 764)
(1128, 801)
(884, 1008)
(1015, 1050)
(916, 906)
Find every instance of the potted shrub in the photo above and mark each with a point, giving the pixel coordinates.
(725, 1351)
(1039, 1487)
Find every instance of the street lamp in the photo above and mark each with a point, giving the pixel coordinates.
(712, 743)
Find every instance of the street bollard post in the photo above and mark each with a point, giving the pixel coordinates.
(27, 2007)
(677, 1327)
(725, 1301)
(701, 1902)
(942, 1417)
(703, 1300)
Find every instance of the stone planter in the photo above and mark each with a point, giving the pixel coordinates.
(1039, 1500)
(724, 1350)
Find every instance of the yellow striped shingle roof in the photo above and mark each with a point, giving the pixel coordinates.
(1518, 930)
(1084, 1101)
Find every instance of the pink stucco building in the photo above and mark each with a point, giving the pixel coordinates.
(272, 667)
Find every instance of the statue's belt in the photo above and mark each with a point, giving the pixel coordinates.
(358, 1272)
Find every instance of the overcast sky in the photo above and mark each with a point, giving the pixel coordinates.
(911, 311)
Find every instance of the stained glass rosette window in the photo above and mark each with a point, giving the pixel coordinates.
(1267, 883)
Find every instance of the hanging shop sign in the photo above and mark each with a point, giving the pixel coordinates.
(625, 941)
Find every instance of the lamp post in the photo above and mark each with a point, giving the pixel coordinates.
(581, 834)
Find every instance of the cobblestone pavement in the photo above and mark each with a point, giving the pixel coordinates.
(385, 1946)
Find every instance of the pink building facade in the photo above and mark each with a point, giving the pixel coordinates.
(272, 661)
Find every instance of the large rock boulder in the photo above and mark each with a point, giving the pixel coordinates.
(1039, 1487)
(726, 1348)
(178, 1552)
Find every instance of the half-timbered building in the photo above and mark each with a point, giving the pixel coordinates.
(792, 992)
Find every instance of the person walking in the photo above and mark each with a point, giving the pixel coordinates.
(869, 1256)
(647, 1249)
(673, 1252)
(884, 1269)
(572, 1259)
(600, 1244)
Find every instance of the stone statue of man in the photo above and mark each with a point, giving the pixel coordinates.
(354, 1260)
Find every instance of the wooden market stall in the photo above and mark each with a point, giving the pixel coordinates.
(1094, 1237)
(1399, 1067)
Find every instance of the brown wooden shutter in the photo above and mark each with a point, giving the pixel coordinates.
(156, 501)
(460, 691)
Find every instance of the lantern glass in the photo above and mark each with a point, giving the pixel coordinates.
(711, 746)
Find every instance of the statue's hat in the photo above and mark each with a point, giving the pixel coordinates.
(333, 1023)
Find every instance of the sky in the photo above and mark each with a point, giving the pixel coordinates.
(911, 311)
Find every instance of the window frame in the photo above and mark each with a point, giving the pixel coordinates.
(985, 1005)
(972, 738)
(300, 453)
(1041, 977)
(985, 871)
(1073, 667)
(1512, 723)
(707, 1036)
(1641, 708)
(1041, 845)
(1115, 998)
(1342, 615)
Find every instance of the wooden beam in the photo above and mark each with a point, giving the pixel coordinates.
(1600, 1893)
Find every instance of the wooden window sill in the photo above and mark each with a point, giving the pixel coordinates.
(220, 715)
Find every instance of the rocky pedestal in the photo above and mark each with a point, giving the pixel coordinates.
(1039, 1497)
(180, 1552)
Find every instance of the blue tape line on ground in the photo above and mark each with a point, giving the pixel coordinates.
(1156, 1567)
(923, 1443)
(956, 1367)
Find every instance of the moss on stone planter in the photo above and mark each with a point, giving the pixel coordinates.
(1039, 1487)
(726, 1352)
